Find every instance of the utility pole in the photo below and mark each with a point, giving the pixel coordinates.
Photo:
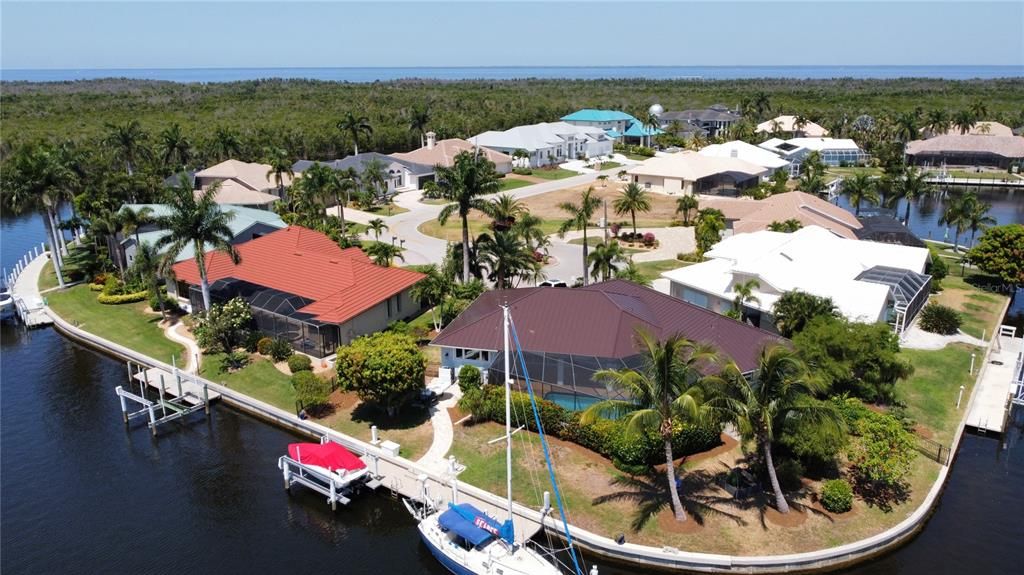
(606, 220)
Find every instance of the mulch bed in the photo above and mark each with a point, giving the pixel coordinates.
(456, 414)
(792, 519)
(668, 524)
(344, 400)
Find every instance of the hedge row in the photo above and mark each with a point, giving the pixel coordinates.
(123, 298)
(606, 437)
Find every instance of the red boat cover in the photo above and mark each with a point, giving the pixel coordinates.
(330, 455)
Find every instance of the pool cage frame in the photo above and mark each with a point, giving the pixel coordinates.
(909, 291)
(560, 373)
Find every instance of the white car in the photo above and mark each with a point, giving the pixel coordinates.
(553, 283)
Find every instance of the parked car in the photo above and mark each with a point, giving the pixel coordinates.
(553, 283)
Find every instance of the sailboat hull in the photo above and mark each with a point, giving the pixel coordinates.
(445, 560)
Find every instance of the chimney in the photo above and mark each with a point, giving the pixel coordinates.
(431, 137)
(734, 153)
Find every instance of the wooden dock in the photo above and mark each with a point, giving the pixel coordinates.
(178, 385)
(996, 383)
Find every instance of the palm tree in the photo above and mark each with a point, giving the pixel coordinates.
(354, 127)
(175, 149)
(383, 253)
(375, 175)
(938, 122)
(652, 124)
(780, 390)
(812, 178)
(151, 266)
(956, 215)
(603, 260)
(579, 219)
(418, 120)
(377, 226)
(761, 102)
(911, 186)
(462, 183)
(687, 205)
(662, 393)
(708, 232)
(280, 165)
(196, 220)
(859, 189)
(431, 291)
(978, 110)
(603, 178)
(799, 123)
(964, 121)
(504, 210)
(128, 142)
(530, 228)
(109, 225)
(320, 183)
(632, 199)
(976, 216)
(621, 174)
(506, 256)
(633, 274)
(132, 220)
(744, 294)
(906, 127)
(226, 144)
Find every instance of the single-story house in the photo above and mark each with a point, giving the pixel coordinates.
(567, 334)
(401, 175)
(887, 230)
(246, 224)
(714, 119)
(787, 125)
(746, 215)
(241, 183)
(304, 288)
(443, 152)
(868, 281)
(746, 152)
(548, 142)
(965, 150)
(690, 173)
(984, 128)
(832, 151)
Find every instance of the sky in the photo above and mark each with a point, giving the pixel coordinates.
(150, 34)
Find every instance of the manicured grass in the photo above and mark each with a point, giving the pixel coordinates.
(424, 320)
(125, 324)
(513, 183)
(388, 210)
(610, 165)
(980, 311)
(637, 157)
(442, 201)
(554, 174)
(652, 270)
(47, 278)
(930, 394)
(853, 170)
(260, 379)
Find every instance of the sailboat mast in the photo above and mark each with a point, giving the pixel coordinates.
(508, 409)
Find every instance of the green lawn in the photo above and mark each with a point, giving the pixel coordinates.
(513, 183)
(126, 324)
(980, 310)
(598, 238)
(48, 278)
(442, 201)
(553, 174)
(853, 170)
(930, 394)
(637, 157)
(652, 270)
(260, 379)
(981, 175)
(388, 210)
(411, 428)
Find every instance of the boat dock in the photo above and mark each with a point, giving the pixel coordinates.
(998, 383)
(23, 281)
(177, 396)
(991, 182)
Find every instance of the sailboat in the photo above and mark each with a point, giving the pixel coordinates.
(467, 541)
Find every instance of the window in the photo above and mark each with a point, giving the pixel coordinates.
(398, 303)
(458, 353)
(389, 307)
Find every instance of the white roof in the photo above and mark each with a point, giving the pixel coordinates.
(692, 166)
(820, 144)
(746, 152)
(538, 136)
(811, 259)
(786, 124)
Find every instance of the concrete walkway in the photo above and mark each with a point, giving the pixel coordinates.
(444, 431)
(995, 384)
(175, 333)
(917, 338)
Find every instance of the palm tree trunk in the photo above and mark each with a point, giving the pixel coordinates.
(780, 499)
(159, 298)
(906, 214)
(58, 265)
(670, 472)
(465, 249)
(585, 250)
(205, 285)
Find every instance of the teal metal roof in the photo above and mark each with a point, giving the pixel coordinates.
(613, 133)
(637, 129)
(590, 115)
(243, 220)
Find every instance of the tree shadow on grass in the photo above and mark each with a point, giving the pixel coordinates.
(763, 498)
(650, 494)
(882, 495)
(407, 418)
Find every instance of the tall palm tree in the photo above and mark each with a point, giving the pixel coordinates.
(812, 177)
(377, 226)
(906, 127)
(128, 142)
(196, 220)
(632, 199)
(937, 122)
(652, 124)
(604, 260)
(978, 110)
(110, 225)
(320, 182)
(955, 215)
(780, 390)
(530, 228)
(151, 266)
(226, 144)
(579, 218)
(175, 149)
(418, 119)
(431, 291)
(280, 166)
(976, 216)
(462, 183)
(132, 220)
(762, 103)
(375, 175)
(687, 205)
(507, 257)
(799, 123)
(859, 189)
(964, 120)
(745, 294)
(504, 210)
(662, 393)
(354, 127)
(909, 187)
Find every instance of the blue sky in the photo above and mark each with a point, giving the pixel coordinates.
(148, 34)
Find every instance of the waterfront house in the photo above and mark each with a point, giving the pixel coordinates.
(548, 142)
(304, 288)
(967, 150)
(241, 183)
(786, 126)
(867, 281)
(688, 173)
(832, 151)
(746, 215)
(748, 153)
(714, 120)
(442, 153)
(569, 333)
(983, 128)
(888, 230)
(616, 124)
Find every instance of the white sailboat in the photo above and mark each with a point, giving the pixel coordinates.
(469, 542)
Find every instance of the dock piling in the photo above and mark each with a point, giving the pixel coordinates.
(124, 405)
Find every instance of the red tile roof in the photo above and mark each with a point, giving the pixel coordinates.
(342, 282)
(600, 320)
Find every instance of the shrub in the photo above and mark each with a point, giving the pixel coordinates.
(399, 326)
(469, 378)
(117, 299)
(280, 350)
(385, 368)
(310, 389)
(96, 287)
(264, 345)
(644, 151)
(225, 326)
(252, 341)
(938, 318)
(789, 473)
(938, 269)
(883, 453)
(690, 257)
(298, 362)
(648, 239)
(522, 171)
(234, 361)
(615, 227)
(836, 496)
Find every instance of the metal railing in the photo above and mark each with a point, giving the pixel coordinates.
(933, 450)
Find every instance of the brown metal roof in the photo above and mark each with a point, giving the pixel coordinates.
(599, 320)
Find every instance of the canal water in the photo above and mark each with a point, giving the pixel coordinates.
(81, 494)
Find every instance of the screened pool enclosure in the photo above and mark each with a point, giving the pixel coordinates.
(909, 291)
(567, 380)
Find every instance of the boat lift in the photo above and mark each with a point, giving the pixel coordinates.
(336, 487)
(169, 405)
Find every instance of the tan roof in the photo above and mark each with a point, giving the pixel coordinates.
(444, 151)
(1006, 146)
(691, 166)
(786, 125)
(755, 215)
(984, 129)
(250, 174)
(232, 192)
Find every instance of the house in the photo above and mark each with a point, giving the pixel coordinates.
(867, 281)
(787, 125)
(548, 142)
(690, 173)
(715, 119)
(241, 183)
(887, 230)
(832, 151)
(245, 224)
(616, 124)
(443, 152)
(985, 128)
(748, 153)
(399, 175)
(746, 215)
(966, 150)
(566, 334)
(304, 288)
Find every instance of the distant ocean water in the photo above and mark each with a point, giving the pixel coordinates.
(206, 75)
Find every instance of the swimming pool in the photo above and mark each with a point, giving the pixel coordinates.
(571, 401)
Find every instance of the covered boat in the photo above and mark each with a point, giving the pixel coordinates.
(330, 458)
